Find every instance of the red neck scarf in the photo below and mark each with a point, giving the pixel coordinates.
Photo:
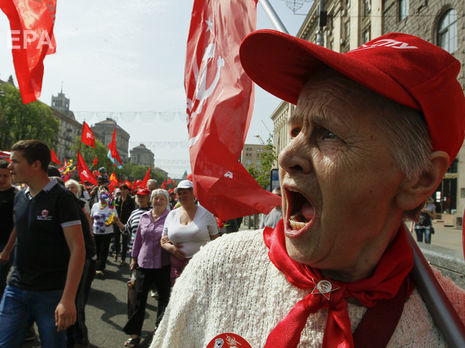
(390, 273)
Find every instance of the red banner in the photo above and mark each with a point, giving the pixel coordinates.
(84, 173)
(113, 154)
(219, 106)
(54, 158)
(146, 178)
(31, 24)
(87, 136)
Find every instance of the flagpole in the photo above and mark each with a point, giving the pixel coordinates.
(273, 16)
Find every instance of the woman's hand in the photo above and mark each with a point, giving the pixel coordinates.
(177, 252)
(133, 264)
(118, 223)
(172, 248)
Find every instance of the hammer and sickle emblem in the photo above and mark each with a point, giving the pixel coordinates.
(202, 92)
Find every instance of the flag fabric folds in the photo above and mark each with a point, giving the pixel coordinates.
(219, 108)
(113, 181)
(84, 173)
(54, 157)
(87, 136)
(31, 24)
(146, 178)
(113, 154)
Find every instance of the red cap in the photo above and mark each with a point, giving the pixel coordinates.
(401, 67)
(143, 192)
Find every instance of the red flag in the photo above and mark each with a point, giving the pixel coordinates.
(87, 136)
(113, 153)
(219, 106)
(168, 181)
(54, 157)
(84, 173)
(146, 178)
(31, 24)
(163, 185)
(113, 180)
(95, 161)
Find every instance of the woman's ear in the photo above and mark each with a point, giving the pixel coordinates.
(415, 191)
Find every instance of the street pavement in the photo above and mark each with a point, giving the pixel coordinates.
(106, 311)
(447, 238)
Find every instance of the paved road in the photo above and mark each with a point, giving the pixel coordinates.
(107, 307)
(448, 238)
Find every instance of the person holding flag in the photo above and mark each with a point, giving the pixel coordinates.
(372, 135)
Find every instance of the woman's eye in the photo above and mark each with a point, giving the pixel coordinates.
(295, 131)
(326, 134)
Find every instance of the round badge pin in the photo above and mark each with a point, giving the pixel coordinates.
(228, 340)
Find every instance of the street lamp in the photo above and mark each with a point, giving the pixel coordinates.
(260, 138)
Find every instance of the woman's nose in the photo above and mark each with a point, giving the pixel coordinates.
(296, 157)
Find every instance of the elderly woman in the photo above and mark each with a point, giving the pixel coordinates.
(103, 215)
(370, 140)
(152, 262)
(186, 229)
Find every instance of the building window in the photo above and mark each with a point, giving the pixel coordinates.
(346, 30)
(366, 35)
(403, 9)
(366, 7)
(447, 31)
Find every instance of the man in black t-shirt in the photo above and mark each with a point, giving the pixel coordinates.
(49, 253)
(7, 195)
(125, 204)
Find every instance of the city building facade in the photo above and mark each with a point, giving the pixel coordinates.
(103, 131)
(250, 155)
(68, 128)
(351, 23)
(142, 156)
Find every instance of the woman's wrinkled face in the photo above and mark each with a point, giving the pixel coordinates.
(73, 188)
(338, 177)
(142, 200)
(159, 202)
(185, 196)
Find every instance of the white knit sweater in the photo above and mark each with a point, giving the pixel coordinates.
(230, 286)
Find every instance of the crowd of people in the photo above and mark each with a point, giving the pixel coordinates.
(63, 234)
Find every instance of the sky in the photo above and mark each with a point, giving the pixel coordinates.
(125, 60)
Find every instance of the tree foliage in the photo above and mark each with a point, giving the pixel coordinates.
(267, 159)
(19, 121)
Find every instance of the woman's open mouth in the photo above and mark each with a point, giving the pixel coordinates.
(300, 213)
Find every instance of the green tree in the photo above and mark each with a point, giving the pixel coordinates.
(24, 121)
(267, 159)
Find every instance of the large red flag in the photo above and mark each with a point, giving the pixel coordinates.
(146, 178)
(31, 24)
(113, 154)
(219, 106)
(87, 136)
(84, 173)
(54, 158)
